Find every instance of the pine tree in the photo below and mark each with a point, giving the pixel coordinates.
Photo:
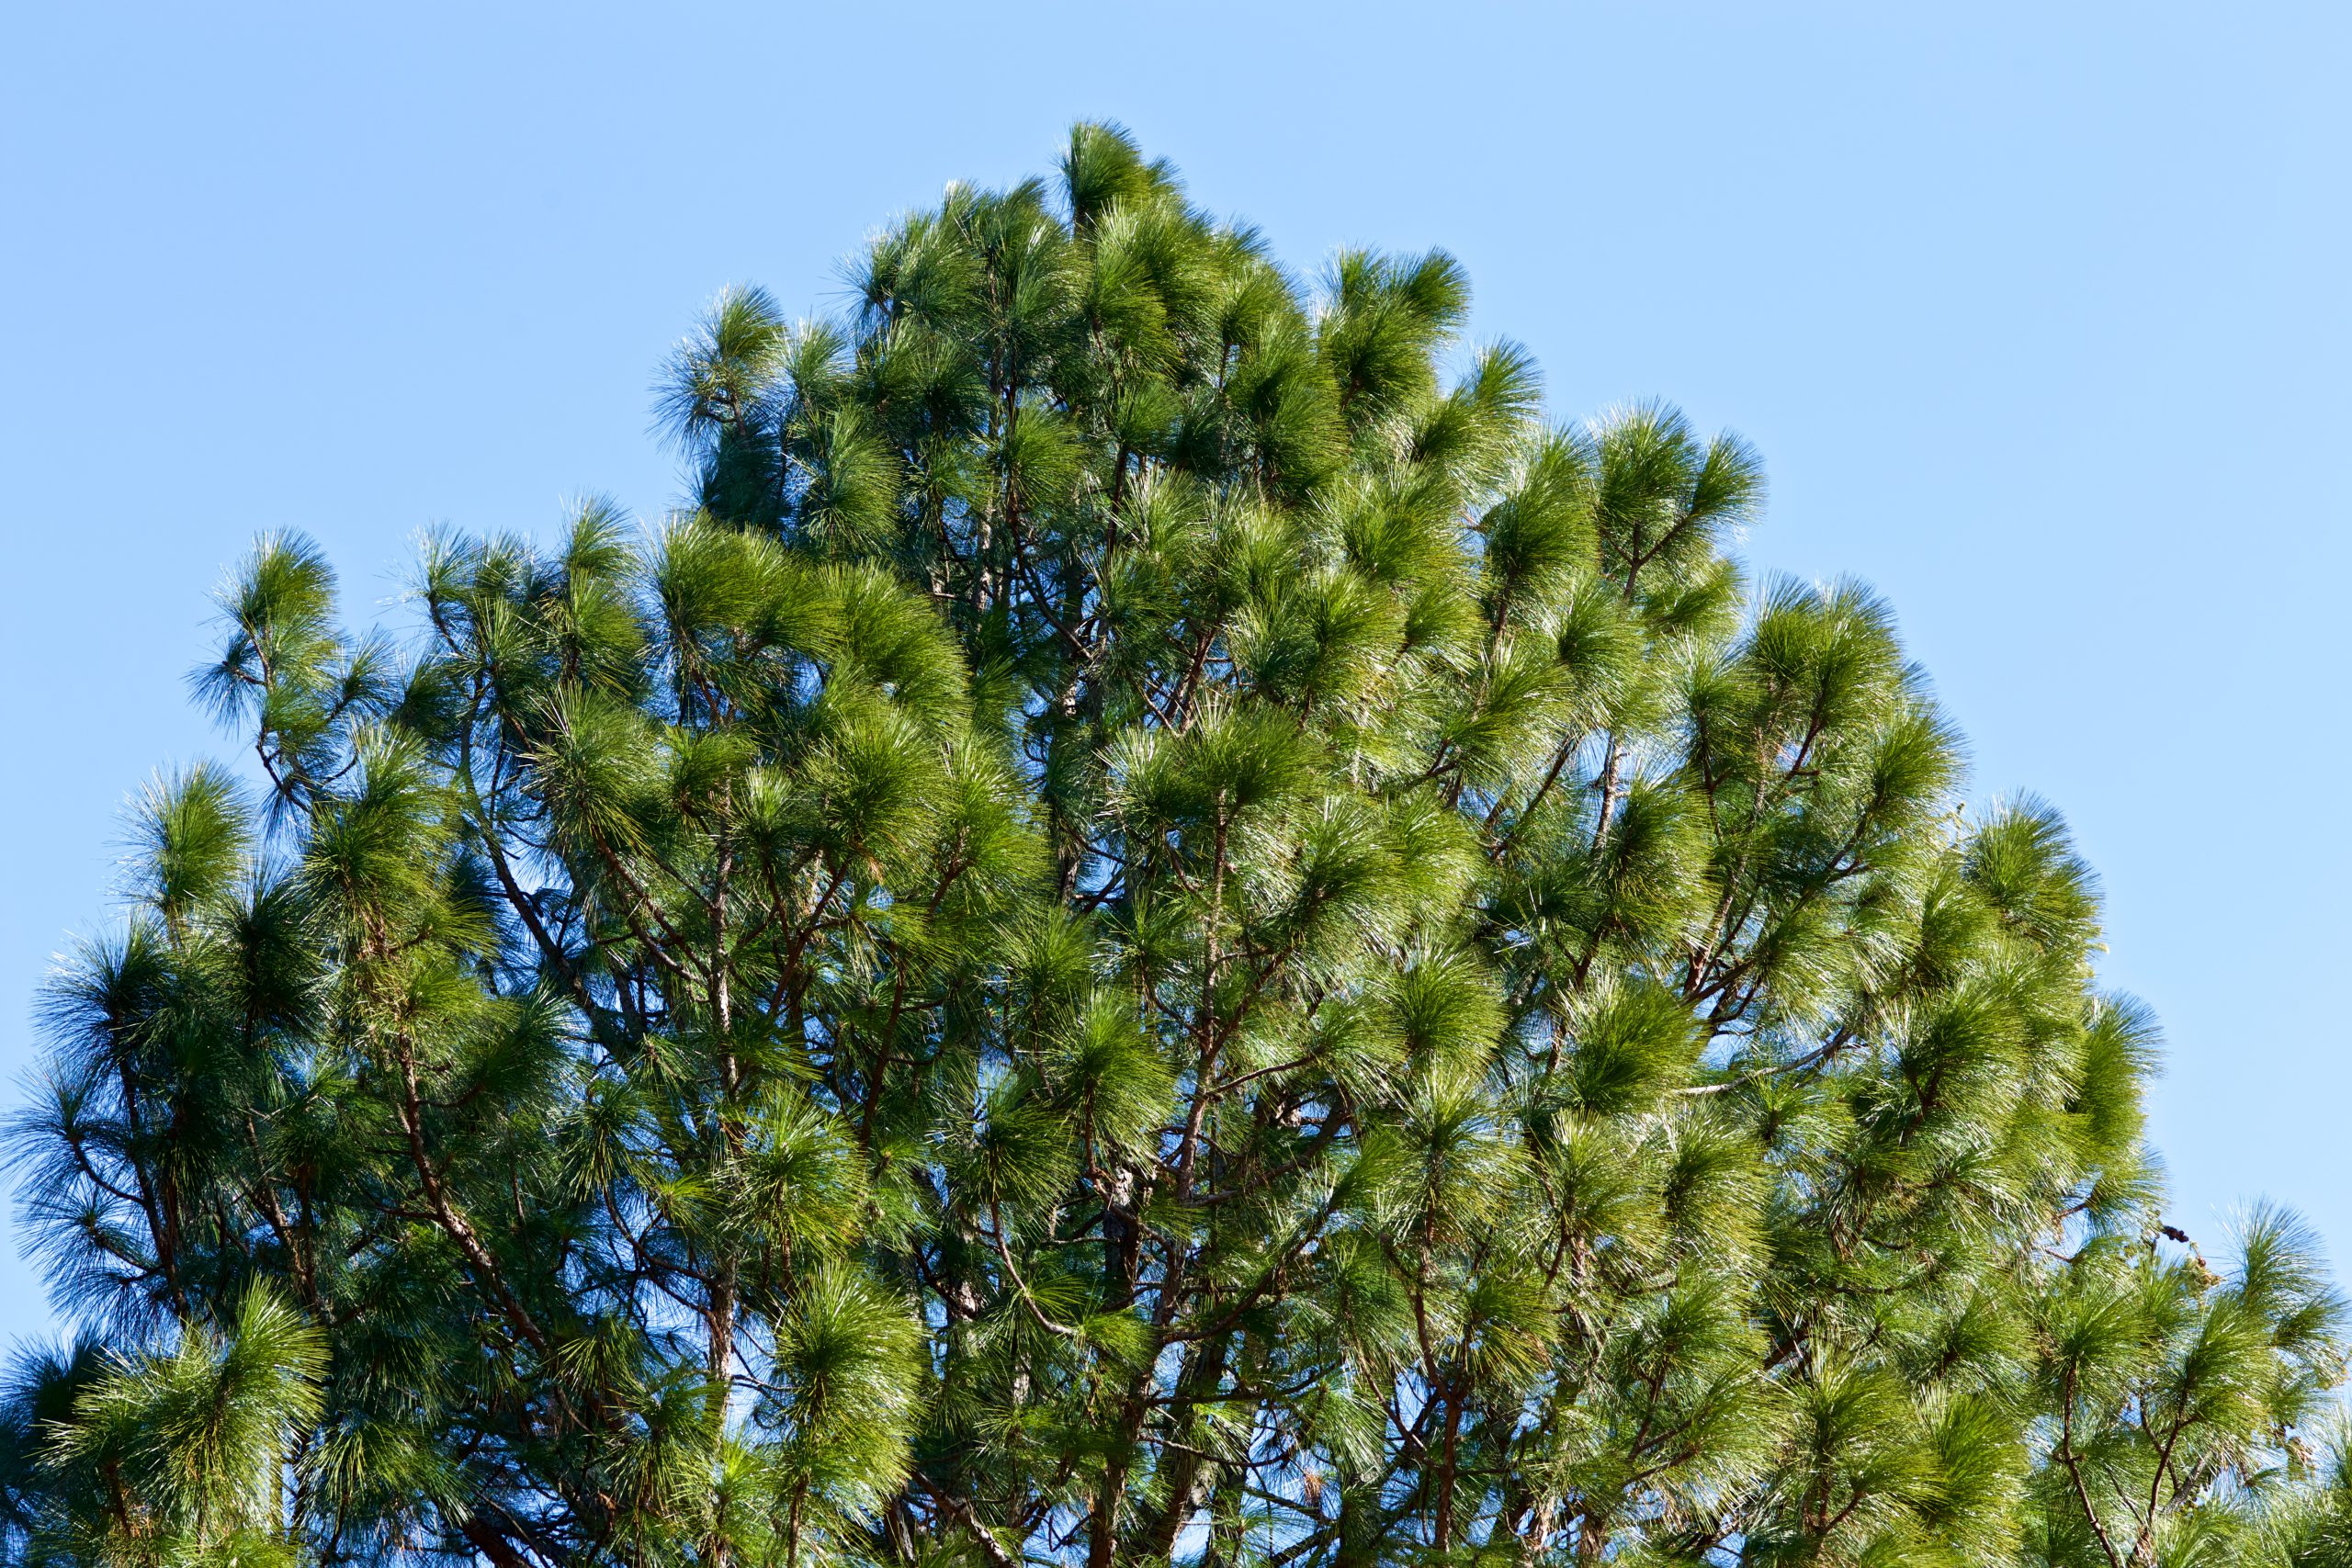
(1165, 926)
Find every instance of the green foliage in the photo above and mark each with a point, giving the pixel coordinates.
(1164, 926)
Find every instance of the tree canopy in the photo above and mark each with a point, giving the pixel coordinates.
(1164, 924)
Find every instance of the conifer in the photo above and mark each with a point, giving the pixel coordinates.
(1165, 925)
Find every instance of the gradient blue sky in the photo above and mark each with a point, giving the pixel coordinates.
(2038, 314)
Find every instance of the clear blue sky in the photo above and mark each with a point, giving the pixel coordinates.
(2037, 311)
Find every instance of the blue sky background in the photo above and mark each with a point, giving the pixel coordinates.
(2037, 311)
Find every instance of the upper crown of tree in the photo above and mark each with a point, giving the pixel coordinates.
(1166, 925)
